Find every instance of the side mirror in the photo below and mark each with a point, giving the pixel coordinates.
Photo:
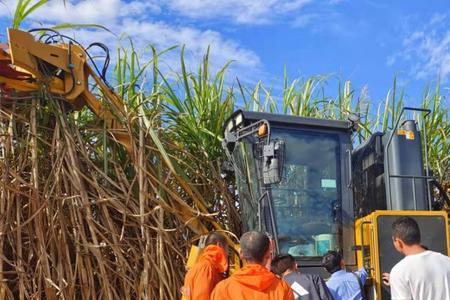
(354, 119)
(273, 161)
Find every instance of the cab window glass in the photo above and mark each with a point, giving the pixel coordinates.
(307, 201)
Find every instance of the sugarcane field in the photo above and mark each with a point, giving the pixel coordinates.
(230, 149)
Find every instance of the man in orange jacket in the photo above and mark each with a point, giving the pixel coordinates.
(254, 281)
(201, 279)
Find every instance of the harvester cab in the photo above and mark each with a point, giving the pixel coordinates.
(300, 180)
(293, 176)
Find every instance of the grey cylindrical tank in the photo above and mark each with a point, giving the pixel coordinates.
(403, 157)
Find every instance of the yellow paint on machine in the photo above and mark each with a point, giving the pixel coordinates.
(409, 134)
(367, 240)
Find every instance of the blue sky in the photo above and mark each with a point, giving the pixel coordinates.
(365, 41)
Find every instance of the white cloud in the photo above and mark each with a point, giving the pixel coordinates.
(93, 11)
(427, 50)
(234, 11)
(326, 20)
(196, 41)
(237, 11)
(134, 19)
(390, 61)
(305, 20)
(7, 7)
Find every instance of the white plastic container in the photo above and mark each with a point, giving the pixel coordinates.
(324, 243)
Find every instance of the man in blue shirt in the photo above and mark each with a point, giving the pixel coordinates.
(343, 285)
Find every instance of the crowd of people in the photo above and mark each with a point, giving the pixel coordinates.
(421, 275)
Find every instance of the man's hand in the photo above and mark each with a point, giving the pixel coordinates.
(385, 278)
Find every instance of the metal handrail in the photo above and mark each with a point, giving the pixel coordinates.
(362, 240)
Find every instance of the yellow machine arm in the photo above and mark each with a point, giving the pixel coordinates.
(64, 70)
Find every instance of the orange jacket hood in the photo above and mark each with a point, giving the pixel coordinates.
(216, 256)
(255, 277)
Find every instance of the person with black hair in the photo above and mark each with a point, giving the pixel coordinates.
(253, 281)
(343, 285)
(422, 274)
(212, 263)
(305, 286)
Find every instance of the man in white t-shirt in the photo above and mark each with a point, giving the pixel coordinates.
(421, 274)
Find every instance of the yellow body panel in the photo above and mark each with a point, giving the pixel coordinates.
(366, 237)
(193, 256)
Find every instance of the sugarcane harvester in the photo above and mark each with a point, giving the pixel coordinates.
(300, 180)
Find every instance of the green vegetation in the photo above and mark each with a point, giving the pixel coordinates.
(23, 9)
